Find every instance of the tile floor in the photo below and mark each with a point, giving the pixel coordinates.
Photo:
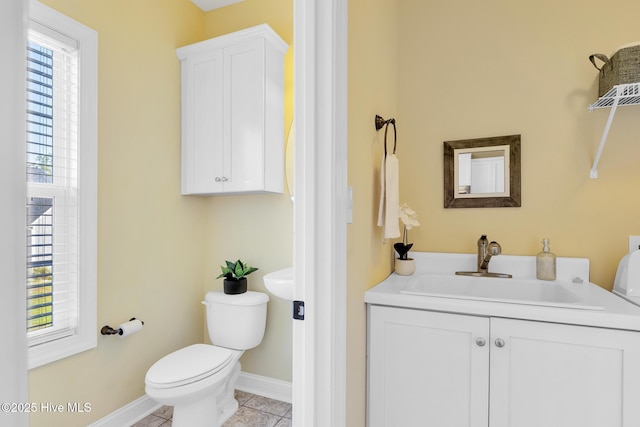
(254, 411)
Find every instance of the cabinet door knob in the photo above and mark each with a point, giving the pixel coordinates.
(499, 342)
(218, 179)
(224, 179)
(480, 342)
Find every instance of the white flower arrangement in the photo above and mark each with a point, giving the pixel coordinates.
(409, 218)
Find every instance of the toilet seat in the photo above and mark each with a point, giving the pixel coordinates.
(188, 365)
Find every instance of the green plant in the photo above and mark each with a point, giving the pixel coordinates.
(235, 270)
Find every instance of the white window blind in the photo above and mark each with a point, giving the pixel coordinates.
(61, 163)
(52, 145)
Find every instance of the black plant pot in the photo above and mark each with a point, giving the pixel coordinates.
(235, 286)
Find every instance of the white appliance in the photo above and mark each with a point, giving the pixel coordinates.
(627, 282)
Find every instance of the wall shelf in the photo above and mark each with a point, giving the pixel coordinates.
(624, 94)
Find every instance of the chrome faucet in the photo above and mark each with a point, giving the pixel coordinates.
(486, 250)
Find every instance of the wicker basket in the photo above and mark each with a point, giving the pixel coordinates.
(622, 68)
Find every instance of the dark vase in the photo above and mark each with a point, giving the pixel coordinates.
(235, 286)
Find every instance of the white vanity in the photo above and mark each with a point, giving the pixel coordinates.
(447, 350)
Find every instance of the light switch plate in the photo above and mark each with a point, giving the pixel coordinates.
(634, 243)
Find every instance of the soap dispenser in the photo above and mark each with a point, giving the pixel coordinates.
(546, 263)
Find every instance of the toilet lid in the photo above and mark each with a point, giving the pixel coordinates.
(188, 365)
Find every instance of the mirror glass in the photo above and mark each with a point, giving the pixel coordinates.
(483, 172)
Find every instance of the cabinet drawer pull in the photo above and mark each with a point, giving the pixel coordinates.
(499, 342)
(480, 342)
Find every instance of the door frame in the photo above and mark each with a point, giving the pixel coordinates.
(320, 212)
(13, 355)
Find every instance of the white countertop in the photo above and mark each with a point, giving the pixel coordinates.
(615, 312)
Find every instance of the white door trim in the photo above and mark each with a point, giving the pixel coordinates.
(320, 212)
(13, 354)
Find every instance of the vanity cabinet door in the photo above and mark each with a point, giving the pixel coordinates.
(545, 374)
(427, 369)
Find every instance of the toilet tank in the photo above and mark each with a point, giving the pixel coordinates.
(236, 321)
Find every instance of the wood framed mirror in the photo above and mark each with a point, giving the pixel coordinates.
(482, 172)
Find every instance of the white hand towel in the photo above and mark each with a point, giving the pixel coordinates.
(382, 186)
(392, 198)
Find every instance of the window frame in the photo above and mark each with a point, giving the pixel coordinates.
(85, 336)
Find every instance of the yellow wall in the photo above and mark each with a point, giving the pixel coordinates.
(468, 69)
(150, 248)
(372, 79)
(444, 70)
(158, 251)
(257, 229)
(475, 69)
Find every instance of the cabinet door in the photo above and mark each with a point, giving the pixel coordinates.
(425, 369)
(202, 130)
(546, 375)
(244, 125)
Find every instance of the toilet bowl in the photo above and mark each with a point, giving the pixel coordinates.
(199, 380)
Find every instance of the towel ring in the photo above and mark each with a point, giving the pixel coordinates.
(395, 136)
(380, 122)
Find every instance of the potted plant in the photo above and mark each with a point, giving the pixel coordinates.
(235, 280)
(403, 264)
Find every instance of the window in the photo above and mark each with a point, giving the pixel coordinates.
(61, 173)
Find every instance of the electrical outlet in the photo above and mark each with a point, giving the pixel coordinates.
(634, 243)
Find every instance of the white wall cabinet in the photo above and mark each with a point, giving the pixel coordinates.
(439, 369)
(233, 113)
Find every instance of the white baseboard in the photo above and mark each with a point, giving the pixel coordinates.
(144, 405)
(129, 414)
(265, 386)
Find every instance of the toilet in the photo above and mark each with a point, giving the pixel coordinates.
(199, 380)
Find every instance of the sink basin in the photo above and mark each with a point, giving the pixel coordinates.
(514, 291)
(280, 283)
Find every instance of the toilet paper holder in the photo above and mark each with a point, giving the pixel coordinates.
(108, 330)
